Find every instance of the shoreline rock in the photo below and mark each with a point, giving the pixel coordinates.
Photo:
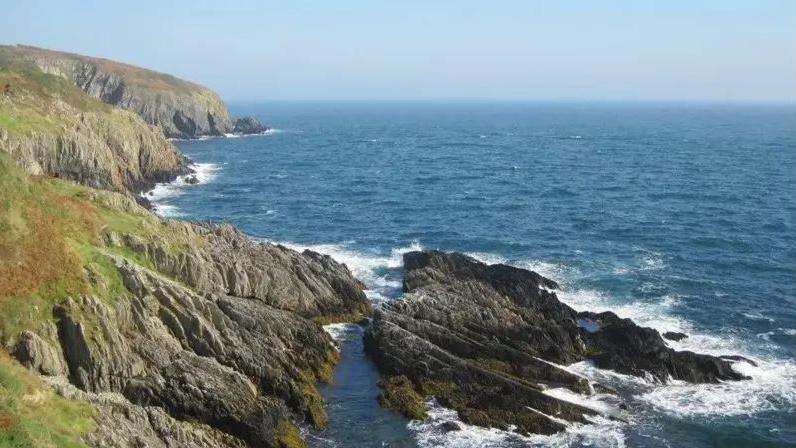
(249, 126)
(489, 340)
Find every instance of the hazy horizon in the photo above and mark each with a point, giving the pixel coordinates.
(622, 51)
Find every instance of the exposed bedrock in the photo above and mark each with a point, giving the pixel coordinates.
(249, 125)
(227, 261)
(488, 340)
(181, 109)
(229, 358)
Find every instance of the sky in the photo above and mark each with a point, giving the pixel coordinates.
(569, 50)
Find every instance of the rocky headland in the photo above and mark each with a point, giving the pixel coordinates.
(181, 109)
(489, 340)
(119, 328)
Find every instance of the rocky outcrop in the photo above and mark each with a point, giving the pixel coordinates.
(177, 334)
(114, 151)
(190, 369)
(227, 261)
(50, 127)
(249, 125)
(181, 109)
(488, 341)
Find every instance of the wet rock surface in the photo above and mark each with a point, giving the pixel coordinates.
(489, 340)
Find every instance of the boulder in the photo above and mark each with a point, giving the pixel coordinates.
(249, 125)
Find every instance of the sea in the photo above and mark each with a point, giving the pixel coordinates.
(681, 217)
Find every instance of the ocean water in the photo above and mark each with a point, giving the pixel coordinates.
(682, 217)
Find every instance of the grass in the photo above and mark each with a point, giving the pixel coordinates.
(32, 415)
(136, 77)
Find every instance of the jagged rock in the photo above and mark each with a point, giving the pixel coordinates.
(674, 336)
(37, 354)
(211, 368)
(310, 284)
(249, 125)
(487, 341)
(449, 426)
(122, 424)
(237, 365)
(61, 132)
(181, 109)
(192, 180)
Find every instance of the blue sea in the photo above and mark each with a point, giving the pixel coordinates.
(679, 216)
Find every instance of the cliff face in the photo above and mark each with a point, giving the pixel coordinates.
(50, 127)
(180, 108)
(176, 334)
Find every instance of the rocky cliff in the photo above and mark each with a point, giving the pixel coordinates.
(180, 108)
(489, 342)
(50, 127)
(175, 334)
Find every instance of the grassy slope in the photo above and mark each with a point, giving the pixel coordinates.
(136, 77)
(28, 96)
(32, 415)
(50, 233)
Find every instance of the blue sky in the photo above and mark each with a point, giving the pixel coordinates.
(511, 50)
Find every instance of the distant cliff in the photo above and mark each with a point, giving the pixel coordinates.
(51, 127)
(180, 108)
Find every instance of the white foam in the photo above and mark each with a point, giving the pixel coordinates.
(168, 211)
(429, 433)
(370, 268)
(756, 315)
(336, 331)
(779, 331)
(772, 387)
(487, 258)
(203, 172)
(773, 381)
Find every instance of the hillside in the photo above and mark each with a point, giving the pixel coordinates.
(51, 127)
(157, 332)
(180, 108)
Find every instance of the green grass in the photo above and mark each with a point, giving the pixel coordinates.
(32, 415)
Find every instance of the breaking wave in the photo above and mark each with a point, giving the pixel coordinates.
(159, 196)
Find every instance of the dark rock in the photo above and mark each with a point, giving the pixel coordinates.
(450, 426)
(230, 360)
(739, 359)
(625, 347)
(191, 180)
(249, 125)
(487, 341)
(674, 336)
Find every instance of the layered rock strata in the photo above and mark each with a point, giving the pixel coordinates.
(490, 340)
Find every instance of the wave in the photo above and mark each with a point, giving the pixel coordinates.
(773, 380)
(602, 432)
(202, 172)
(257, 134)
(380, 273)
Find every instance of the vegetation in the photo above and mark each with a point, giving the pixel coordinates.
(288, 436)
(32, 415)
(399, 395)
(18, 57)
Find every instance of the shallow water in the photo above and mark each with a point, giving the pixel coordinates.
(680, 217)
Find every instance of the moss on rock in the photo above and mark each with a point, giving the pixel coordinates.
(399, 394)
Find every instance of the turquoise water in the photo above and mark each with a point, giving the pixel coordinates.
(679, 216)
